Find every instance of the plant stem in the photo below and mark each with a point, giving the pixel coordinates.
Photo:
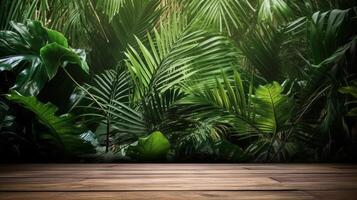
(84, 89)
(107, 139)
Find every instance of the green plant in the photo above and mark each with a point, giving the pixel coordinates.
(60, 129)
(352, 91)
(106, 102)
(150, 148)
(35, 53)
(225, 15)
(263, 118)
(142, 102)
(225, 80)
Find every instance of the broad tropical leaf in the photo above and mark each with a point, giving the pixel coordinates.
(273, 109)
(327, 31)
(37, 53)
(151, 148)
(61, 128)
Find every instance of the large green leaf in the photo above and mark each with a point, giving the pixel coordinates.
(61, 128)
(36, 53)
(151, 148)
(327, 31)
(55, 55)
(272, 107)
(57, 37)
(273, 111)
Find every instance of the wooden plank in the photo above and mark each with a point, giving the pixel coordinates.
(329, 185)
(334, 194)
(158, 183)
(160, 195)
(315, 178)
(84, 172)
(286, 166)
(150, 167)
(178, 181)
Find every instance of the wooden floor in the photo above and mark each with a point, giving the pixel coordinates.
(178, 181)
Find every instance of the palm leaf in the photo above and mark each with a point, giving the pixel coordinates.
(106, 102)
(273, 11)
(222, 15)
(134, 18)
(19, 11)
(111, 7)
(174, 55)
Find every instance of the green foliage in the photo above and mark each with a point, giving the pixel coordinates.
(110, 7)
(352, 91)
(106, 101)
(135, 19)
(60, 128)
(262, 118)
(225, 80)
(222, 15)
(19, 11)
(327, 31)
(151, 148)
(274, 10)
(35, 53)
(176, 54)
(330, 61)
(273, 110)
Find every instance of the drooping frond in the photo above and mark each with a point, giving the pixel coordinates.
(174, 55)
(111, 7)
(222, 15)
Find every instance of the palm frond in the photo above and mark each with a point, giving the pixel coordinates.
(105, 102)
(19, 11)
(174, 55)
(261, 47)
(134, 18)
(111, 7)
(222, 15)
(272, 11)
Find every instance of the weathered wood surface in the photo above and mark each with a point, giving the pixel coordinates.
(178, 181)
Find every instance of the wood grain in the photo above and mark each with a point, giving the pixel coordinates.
(178, 181)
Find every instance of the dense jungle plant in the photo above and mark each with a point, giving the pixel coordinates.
(182, 80)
